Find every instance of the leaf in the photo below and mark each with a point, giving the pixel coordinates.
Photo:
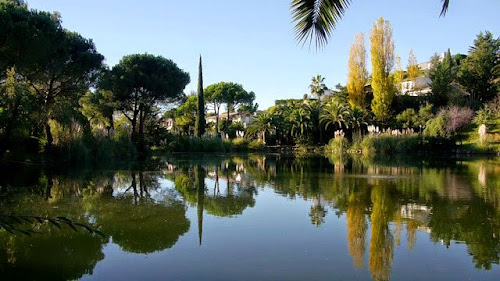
(6, 227)
(16, 219)
(65, 219)
(85, 226)
(316, 19)
(27, 219)
(24, 232)
(52, 221)
(100, 233)
(70, 224)
(446, 3)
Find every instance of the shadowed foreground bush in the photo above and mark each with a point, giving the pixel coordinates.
(212, 144)
(387, 144)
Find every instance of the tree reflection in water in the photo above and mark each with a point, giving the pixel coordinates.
(132, 208)
(381, 200)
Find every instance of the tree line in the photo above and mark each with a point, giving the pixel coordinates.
(58, 96)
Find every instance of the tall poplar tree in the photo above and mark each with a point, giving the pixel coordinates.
(357, 75)
(382, 55)
(199, 127)
(399, 74)
(412, 69)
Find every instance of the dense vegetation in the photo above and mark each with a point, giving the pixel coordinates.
(60, 101)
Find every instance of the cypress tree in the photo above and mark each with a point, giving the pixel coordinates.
(199, 127)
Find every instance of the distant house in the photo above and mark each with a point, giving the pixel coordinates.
(421, 85)
(244, 118)
(168, 123)
(416, 87)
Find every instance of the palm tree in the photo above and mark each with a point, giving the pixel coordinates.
(335, 113)
(357, 120)
(300, 120)
(317, 19)
(318, 88)
(262, 124)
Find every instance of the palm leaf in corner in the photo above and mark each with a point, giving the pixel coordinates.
(315, 20)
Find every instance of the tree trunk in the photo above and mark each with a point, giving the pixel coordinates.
(217, 124)
(319, 121)
(133, 135)
(142, 116)
(111, 125)
(48, 134)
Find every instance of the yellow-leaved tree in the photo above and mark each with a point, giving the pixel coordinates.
(413, 70)
(382, 55)
(399, 74)
(357, 75)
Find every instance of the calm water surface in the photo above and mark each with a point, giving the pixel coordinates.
(256, 217)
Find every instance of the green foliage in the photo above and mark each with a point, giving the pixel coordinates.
(185, 116)
(388, 144)
(411, 119)
(210, 144)
(407, 118)
(337, 145)
(442, 75)
(316, 20)
(436, 127)
(99, 107)
(424, 115)
(199, 128)
(336, 114)
(480, 70)
(261, 126)
(139, 82)
(231, 94)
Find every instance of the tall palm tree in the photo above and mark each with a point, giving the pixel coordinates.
(357, 119)
(315, 20)
(318, 88)
(300, 120)
(262, 125)
(335, 113)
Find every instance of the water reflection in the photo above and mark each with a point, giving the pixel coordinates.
(143, 209)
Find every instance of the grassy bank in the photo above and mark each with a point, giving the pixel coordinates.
(208, 144)
(414, 144)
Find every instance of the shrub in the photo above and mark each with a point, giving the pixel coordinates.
(256, 145)
(436, 127)
(183, 182)
(388, 144)
(337, 145)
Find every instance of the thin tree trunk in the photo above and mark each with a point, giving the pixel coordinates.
(142, 116)
(48, 134)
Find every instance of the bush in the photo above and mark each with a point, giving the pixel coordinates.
(436, 128)
(337, 145)
(183, 182)
(388, 144)
(210, 144)
(256, 145)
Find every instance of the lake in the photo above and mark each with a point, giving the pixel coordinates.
(253, 217)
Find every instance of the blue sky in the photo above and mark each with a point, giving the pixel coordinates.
(252, 42)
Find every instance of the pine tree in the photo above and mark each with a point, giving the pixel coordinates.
(382, 55)
(357, 75)
(199, 127)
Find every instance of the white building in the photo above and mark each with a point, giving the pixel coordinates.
(244, 118)
(417, 87)
(420, 85)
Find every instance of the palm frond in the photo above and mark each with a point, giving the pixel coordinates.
(446, 3)
(315, 20)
